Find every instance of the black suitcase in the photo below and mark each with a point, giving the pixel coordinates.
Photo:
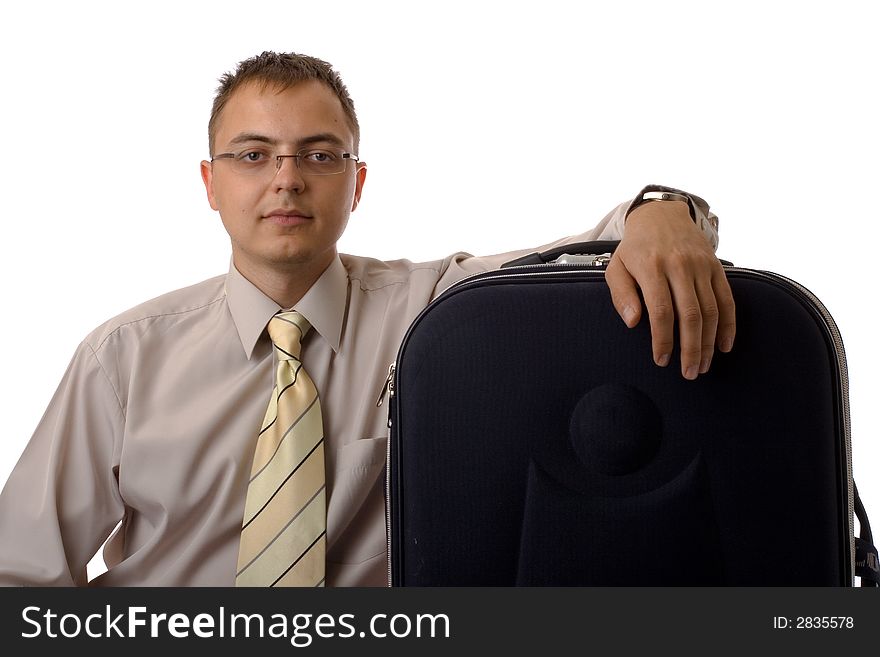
(534, 442)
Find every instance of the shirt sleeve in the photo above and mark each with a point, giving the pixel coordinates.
(62, 499)
(611, 227)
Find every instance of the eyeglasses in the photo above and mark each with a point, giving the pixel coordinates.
(311, 161)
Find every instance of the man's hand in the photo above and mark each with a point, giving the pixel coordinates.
(664, 254)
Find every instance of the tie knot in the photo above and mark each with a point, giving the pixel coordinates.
(286, 330)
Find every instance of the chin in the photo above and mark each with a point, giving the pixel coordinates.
(300, 257)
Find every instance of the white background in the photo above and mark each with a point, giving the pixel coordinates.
(487, 126)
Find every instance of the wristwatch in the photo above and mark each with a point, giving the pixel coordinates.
(667, 196)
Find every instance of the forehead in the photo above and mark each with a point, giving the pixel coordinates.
(286, 116)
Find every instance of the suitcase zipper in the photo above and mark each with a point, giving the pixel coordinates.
(388, 391)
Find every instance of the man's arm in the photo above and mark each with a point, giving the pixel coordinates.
(62, 500)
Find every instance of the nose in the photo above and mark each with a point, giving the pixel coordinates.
(287, 174)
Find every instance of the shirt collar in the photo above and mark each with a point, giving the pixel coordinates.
(323, 305)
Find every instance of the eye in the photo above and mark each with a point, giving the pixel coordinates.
(251, 157)
(320, 157)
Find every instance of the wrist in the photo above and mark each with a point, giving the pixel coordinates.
(662, 211)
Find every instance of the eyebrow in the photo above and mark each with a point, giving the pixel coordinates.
(251, 136)
(327, 137)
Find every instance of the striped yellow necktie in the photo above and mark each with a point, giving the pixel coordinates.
(283, 534)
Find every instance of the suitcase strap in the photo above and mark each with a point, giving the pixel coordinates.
(866, 563)
(867, 560)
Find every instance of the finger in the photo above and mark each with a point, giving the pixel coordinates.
(624, 293)
(690, 324)
(709, 311)
(658, 303)
(726, 310)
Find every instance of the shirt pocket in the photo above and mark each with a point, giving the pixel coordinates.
(356, 509)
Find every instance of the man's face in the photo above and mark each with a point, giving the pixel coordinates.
(283, 221)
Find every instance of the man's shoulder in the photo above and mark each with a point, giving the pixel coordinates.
(373, 274)
(184, 301)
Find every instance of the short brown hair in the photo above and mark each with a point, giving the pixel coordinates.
(282, 70)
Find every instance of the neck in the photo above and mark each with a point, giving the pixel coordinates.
(285, 285)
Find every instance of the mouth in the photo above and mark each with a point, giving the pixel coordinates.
(287, 217)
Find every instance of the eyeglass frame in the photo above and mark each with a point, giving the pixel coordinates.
(344, 155)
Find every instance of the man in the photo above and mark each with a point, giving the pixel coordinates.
(153, 428)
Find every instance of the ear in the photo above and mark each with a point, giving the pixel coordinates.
(360, 177)
(208, 178)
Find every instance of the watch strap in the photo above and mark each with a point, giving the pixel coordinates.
(657, 195)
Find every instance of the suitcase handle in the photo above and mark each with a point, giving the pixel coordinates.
(578, 248)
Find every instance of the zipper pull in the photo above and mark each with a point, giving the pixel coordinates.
(388, 388)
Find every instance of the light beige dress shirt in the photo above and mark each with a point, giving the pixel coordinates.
(153, 426)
